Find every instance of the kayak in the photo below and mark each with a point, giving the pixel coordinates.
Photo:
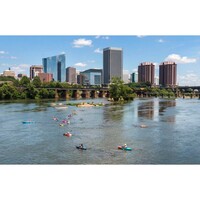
(67, 134)
(27, 122)
(126, 148)
(82, 148)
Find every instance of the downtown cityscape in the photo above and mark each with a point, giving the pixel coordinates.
(138, 60)
(99, 99)
(53, 69)
(97, 103)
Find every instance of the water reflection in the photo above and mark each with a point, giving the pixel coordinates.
(146, 110)
(171, 134)
(163, 106)
(113, 112)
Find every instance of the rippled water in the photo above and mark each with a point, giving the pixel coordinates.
(171, 137)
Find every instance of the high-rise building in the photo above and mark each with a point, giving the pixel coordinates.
(146, 72)
(34, 70)
(156, 80)
(56, 66)
(92, 76)
(134, 77)
(9, 73)
(80, 79)
(126, 77)
(71, 75)
(112, 64)
(167, 74)
(45, 77)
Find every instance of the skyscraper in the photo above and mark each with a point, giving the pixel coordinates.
(112, 64)
(71, 75)
(134, 77)
(146, 72)
(56, 66)
(167, 74)
(35, 70)
(92, 76)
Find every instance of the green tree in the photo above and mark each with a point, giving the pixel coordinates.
(24, 81)
(119, 91)
(43, 93)
(36, 82)
(8, 91)
(163, 92)
(51, 94)
(32, 92)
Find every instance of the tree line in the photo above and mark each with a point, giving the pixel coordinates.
(122, 92)
(11, 88)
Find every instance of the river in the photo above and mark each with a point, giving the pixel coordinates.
(159, 131)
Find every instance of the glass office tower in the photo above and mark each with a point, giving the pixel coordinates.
(56, 66)
(92, 76)
(112, 64)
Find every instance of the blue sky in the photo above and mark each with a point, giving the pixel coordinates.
(85, 52)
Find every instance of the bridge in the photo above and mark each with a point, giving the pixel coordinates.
(89, 92)
(80, 92)
(186, 88)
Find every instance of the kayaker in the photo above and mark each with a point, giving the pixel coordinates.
(124, 146)
(81, 146)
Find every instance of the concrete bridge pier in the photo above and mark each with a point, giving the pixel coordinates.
(67, 94)
(102, 94)
(85, 94)
(94, 94)
(77, 94)
(56, 94)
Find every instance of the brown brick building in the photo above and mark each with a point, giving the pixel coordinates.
(146, 72)
(168, 74)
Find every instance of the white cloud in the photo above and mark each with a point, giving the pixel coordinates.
(178, 59)
(134, 70)
(80, 64)
(190, 79)
(160, 40)
(98, 50)
(24, 65)
(21, 68)
(105, 37)
(4, 64)
(140, 36)
(2, 52)
(82, 43)
(125, 71)
(102, 37)
(156, 65)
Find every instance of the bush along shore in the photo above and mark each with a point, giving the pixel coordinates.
(11, 88)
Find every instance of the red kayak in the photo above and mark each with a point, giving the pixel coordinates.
(67, 134)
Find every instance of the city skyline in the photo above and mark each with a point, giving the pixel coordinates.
(86, 52)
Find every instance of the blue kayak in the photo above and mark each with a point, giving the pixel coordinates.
(81, 148)
(125, 148)
(27, 122)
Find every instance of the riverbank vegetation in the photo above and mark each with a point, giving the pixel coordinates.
(11, 88)
(123, 92)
